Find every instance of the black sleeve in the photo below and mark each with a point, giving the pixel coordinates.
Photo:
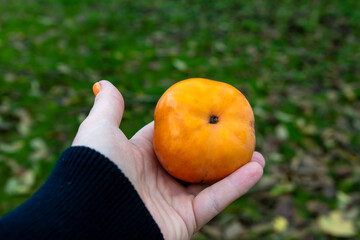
(86, 197)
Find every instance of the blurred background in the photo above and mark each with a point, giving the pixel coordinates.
(297, 62)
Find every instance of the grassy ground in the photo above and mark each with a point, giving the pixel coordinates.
(296, 62)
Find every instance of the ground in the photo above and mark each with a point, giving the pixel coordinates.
(297, 62)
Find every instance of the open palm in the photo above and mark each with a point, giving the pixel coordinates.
(178, 210)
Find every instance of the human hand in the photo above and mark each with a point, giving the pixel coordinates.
(178, 210)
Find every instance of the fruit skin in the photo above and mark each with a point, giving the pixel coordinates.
(188, 146)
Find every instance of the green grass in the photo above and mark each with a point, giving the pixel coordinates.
(296, 62)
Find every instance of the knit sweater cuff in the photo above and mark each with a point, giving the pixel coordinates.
(86, 197)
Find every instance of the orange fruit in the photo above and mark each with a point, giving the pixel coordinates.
(204, 130)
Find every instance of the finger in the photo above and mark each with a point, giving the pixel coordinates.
(212, 200)
(145, 133)
(258, 157)
(195, 189)
(108, 105)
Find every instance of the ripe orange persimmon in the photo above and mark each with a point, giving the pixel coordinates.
(204, 130)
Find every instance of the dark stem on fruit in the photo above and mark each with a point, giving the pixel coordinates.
(213, 119)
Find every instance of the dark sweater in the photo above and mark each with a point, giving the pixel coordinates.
(86, 197)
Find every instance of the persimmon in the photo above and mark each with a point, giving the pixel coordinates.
(204, 130)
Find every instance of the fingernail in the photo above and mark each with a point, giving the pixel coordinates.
(96, 88)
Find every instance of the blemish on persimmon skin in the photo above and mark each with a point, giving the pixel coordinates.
(252, 124)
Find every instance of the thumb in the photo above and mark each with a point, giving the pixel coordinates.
(109, 103)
